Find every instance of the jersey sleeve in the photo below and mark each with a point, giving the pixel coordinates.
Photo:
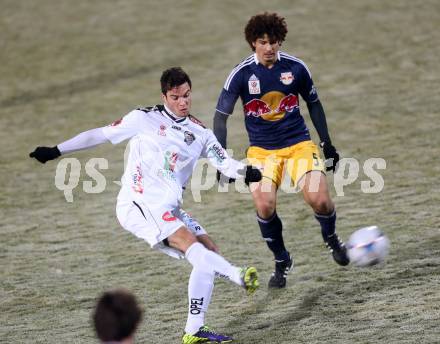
(220, 159)
(84, 140)
(230, 93)
(124, 128)
(306, 88)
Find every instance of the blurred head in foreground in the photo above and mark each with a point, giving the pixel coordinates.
(116, 317)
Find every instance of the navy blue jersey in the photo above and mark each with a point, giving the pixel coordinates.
(270, 100)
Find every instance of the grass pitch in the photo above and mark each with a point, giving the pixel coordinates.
(66, 67)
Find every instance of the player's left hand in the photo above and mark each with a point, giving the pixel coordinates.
(331, 156)
(44, 154)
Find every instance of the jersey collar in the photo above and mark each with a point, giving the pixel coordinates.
(172, 116)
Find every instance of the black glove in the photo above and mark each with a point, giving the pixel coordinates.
(252, 175)
(331, 156)
(43, 154)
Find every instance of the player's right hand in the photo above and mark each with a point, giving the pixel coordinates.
(43, 154)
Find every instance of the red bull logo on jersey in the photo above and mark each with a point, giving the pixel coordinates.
(287, 78)
(272, 106)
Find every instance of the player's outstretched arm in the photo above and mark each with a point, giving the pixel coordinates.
(84, 140)
(319, 121)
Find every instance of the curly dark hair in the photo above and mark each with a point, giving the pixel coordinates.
(116, 315)
(265, 23)
(173, 77)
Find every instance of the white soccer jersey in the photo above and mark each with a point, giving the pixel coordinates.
(164, 151)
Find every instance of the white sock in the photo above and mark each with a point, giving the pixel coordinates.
(203, 259)
(200, 287)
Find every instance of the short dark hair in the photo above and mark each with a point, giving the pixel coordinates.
(173, 77)
(116, 315)
(265, 23)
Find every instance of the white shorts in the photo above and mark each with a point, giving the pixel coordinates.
(153, 225)
(154, 222)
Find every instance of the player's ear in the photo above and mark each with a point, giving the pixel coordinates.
(254, 44)
(164, 97)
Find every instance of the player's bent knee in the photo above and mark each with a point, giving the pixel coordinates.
(265, 212)
(265, 208)
(182, 239)
(322, 205)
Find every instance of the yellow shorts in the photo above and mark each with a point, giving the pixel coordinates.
(297, 160)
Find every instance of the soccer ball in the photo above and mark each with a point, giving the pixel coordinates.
(368, 246)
